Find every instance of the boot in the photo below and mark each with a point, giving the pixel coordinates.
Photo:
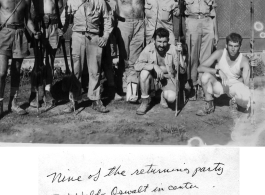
(71, 107)
(163, 101)
(98, 106)
(209, 108)
(14, 107)
(145, 106)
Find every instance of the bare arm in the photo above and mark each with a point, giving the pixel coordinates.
(206, 65)
(142, 61)
(28, 19)
(245, 71)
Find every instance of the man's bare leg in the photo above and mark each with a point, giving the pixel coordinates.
(145, 80)
(15, 80)
(50, 56)
(3, 73)
(210, 86)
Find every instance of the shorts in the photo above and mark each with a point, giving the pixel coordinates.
(13, 43)
(50, 36)
(235, 89)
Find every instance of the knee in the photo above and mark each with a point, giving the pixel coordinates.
(144, 75)
(205, 78)
(170, 96)
(243, 99)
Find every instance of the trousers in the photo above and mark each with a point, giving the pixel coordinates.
(131, 42)
(87, 56)
(201, 32)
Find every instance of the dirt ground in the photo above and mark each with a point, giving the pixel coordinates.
(122, 126)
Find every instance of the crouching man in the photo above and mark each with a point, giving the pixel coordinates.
(158, 65)
(230, 76)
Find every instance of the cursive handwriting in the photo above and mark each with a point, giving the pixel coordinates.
(186, 185)
(59, 177)
(115, 171)
(151, 170)
(141, 189)
(95, 176)
(217, 169)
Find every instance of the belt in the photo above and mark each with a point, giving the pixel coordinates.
(86, 33)
(128, 19)
(198, 16)
(14, 26)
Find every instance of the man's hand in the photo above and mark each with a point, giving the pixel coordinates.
(159, 72)
(216, 39)
(37, 35)
(102, 41)
(223, 77)
(253, 61)
(60, 32)
(179, 47)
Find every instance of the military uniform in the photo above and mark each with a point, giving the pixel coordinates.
(88, 17)
(200, 23)
(159, 14)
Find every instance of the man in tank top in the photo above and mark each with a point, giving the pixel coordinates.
(230, 76)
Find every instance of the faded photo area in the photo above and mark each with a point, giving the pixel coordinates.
(138, 170)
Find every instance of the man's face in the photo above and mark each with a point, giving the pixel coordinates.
(161, 43)
(233, 48)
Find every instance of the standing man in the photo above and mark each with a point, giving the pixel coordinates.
(88, 39)
(201, 26)
(110, 52)
(231, 76)
(47, 20)
(160, 14)
(158, 65)
(130, 33)
(14, 15)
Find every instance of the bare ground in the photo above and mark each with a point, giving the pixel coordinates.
(122, 126)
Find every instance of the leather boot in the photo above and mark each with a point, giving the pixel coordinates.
(209, 108)
(14, 107)
(71, 107)
(145, 106)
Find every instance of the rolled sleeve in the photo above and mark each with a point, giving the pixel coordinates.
(108, 22)
(142, 62)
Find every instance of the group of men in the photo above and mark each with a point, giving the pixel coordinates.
(139, 32)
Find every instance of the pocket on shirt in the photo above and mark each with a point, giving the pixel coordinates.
(165, 14)
(148, 10)
(209, 2)
(189, 2)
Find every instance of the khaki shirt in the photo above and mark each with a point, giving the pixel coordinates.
(112, 9)
(159, 13)
(148, 59)
(204, 7)
(90, 20)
